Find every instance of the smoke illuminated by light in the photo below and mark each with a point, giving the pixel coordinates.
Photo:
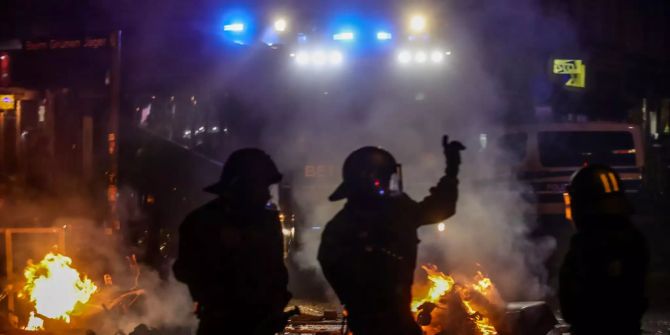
(319, 58)
(402, 72)
(335, 57)
(420, 57)
(302, 58)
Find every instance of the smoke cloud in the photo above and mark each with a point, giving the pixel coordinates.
(135, 295)
(406, 111)
(318, 118)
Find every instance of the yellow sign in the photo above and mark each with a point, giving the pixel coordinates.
(575, 68)
(7, 101)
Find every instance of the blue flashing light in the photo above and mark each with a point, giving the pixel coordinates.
(384, 35)
(357, 33)
(234, 27)
(238, 26)
(344, 36)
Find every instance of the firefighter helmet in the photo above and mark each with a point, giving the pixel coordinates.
(367, 170)
(596, 189)
(244, 166)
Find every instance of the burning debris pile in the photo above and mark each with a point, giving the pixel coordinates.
(57, 298)
(55, 289)
(450, 305)
(469, 306)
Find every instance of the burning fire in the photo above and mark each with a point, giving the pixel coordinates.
(449, 302)
(34, 323)
(55, 288)
(441, 284)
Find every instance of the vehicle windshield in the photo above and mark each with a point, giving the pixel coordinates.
(574, 148)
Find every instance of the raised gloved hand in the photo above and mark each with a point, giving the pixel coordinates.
(452, 154)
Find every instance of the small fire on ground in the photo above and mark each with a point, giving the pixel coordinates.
(55, 289)
(469, 306)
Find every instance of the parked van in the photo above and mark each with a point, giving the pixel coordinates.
(546, 155)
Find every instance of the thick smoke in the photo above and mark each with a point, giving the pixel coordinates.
(97, 254)
(320, 118)
(150, 298)
(136, 295)
(406, 112)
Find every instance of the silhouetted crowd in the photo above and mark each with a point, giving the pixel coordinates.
(231, 249)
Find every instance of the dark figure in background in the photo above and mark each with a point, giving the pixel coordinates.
(602, 278)
(368, 250)
(231, 251)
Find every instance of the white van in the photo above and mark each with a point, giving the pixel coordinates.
(546, 155)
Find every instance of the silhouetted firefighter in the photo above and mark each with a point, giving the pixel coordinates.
(231, 252)
(368, 250)
(602, 277)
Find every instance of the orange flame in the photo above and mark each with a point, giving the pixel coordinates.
(34, 323)
(482, 284)
(482, 323)
(442, 284)
(55, 288)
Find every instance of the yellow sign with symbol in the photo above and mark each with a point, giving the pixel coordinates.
(573, 67)
(7, 101)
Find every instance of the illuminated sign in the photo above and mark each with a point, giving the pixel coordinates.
(573, 67)
(59, 44)
(6, 101)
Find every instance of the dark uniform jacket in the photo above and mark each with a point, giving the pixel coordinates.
(602, 279)
(233, 262)
(369, 255)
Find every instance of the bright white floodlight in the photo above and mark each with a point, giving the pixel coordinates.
(404, 57)
(437, 56)
(280, 25)
(417, 24)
